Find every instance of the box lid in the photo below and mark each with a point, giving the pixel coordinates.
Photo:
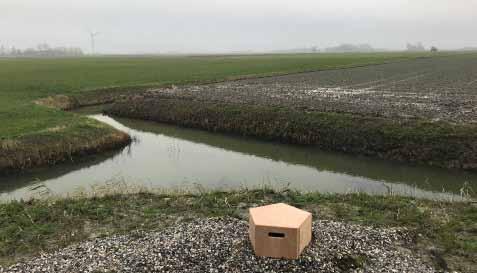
(278, 215)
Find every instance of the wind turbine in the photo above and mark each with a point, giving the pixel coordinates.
(93, 36)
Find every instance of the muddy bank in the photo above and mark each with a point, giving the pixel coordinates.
(417, 141)
(59, 145)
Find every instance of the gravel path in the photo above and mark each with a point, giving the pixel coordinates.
(221, 245)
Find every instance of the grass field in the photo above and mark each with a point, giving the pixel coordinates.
(24, 80)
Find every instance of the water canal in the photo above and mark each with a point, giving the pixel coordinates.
(170, 157)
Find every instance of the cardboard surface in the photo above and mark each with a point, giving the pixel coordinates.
(279, 230)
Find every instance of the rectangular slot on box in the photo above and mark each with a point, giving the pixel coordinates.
(276, 235)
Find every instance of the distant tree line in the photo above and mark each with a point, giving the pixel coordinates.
(42, 50)
(366, 48)
(418, 47)
(351, 48)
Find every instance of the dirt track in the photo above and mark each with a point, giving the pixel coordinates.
(441, 88)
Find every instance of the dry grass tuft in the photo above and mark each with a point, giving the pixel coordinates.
(60, 102)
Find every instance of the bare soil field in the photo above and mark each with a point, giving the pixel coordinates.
(420, 111)
(441, 88)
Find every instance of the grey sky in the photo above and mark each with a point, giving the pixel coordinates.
(136, 26)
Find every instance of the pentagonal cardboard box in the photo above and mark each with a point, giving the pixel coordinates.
(279, 231)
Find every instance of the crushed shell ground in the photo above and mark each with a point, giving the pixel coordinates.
(222, 245)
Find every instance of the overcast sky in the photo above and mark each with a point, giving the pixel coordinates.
(139, 26)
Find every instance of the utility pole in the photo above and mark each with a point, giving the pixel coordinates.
(93, 36)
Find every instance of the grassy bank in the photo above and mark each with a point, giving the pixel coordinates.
(57, 144)
(445, 233)
(433, 143)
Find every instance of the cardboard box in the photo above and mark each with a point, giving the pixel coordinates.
(279, 231)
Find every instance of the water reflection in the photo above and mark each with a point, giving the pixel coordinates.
(423, 177)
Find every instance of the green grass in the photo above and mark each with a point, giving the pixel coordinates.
(24, 80)
(27, 228)
(82, 136)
